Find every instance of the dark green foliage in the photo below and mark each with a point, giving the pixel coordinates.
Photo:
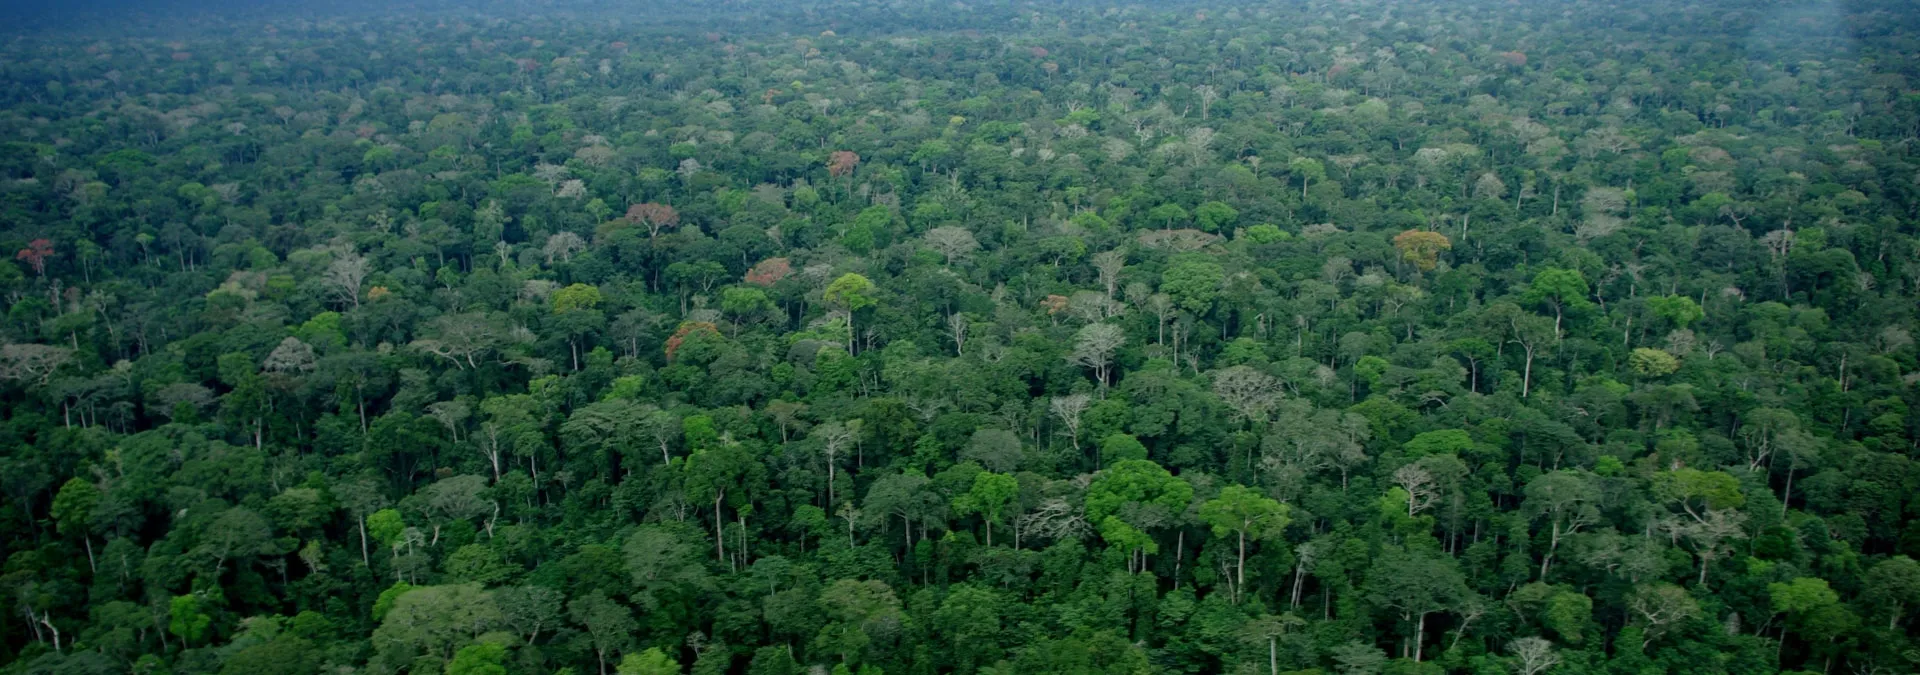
(1360, 337)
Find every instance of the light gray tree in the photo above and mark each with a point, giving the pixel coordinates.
(1094, 347)
(1250, 393)
(1533, 655)
(346, 274)
(952, 242)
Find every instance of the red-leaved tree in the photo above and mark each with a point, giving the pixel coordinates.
(36, 254)
(842, 162)
(687, 330)
(656, 217)
(769, 272)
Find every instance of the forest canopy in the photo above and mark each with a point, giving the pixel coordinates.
(760, 338)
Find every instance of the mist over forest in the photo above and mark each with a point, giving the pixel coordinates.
(854, 338)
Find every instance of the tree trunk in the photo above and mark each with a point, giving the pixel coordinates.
(1788, 494)
(1240, 572)
(1552, 544)
(1419, 635)
(719, 537)
(1299, 576)
(1526, 378)
(1179, 556)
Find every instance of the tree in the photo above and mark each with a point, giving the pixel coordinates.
(32, 362)
(970, 619)
(995, 449)
(1532, 334)
(1167, 215)
(834, 437)
(989, 497)
(1568, 501)
(1535, 655)
(1309, 170)
(841, 163)
(1893, 585)
(529, 610)
(1415, 584)
(1707, 518)
(187, 618)
(1142, 491)
(1069, 409)
(1418, 484)
(1658, 608)
(576, 298)
(1422, 248)
(768, 272)
(479, 659)
(36, 254)
(72, 511)
(1269, 629)
(1245, 513)
(665, 566)
(463, 338)
(655, 217)
(952, 242)
(563, 245)
(1192, 283)
(1250, 393)
(346, 274)
(1679, 310)
(908, 496)
(649, 662)
(1358, 658)
(1094, 347)
(456, 498)
(609, 624)
(1652, 362)
(237, 533)
(1215, 217)
(1561, 289)
(859, 612)
(848, 294)
(433, 621)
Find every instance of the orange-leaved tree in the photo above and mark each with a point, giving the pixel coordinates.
(1422, 248)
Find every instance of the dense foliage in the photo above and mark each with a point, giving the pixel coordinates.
(1316, 337)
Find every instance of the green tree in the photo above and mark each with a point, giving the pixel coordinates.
(609, 625)
(1193, 283)
(649, 662)
(1215, 217)
(849, 294)
(1167, 215)
(1561, 289)
(1892, 586)
(1679, 310)
(72, 513)
(1652, 362)
(989, 497)
(1247, 514)
(187, 618)
(1309, 170)
(479, 659)
(1416, 584)
(433, 621)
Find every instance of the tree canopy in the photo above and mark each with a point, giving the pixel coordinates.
(988, 337)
